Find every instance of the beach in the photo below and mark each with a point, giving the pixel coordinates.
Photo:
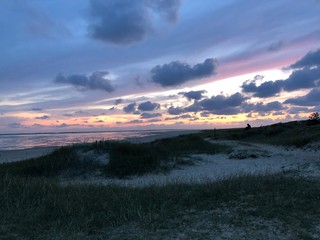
(218, 189)
(246, 158)
(23, 154)
(34, 152)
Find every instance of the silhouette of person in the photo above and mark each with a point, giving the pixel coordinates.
(248, 126)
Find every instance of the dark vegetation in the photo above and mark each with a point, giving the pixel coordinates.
(125, 158)
(292, 134)
(33, 205)
(36, 208)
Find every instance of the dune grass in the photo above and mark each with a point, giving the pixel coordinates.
(33, 205)
(36, 208)
(61, 160)
(295, 134)
(125, 158)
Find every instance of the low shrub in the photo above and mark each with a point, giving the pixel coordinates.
(130, 159)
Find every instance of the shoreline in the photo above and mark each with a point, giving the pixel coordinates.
(7, 156)
(14, 155)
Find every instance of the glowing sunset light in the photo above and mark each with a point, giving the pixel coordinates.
(210, 64)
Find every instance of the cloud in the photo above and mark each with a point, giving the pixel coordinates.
(183, 116)
(95, 81)
(148, 106)
(275, 46)
(36, 109)
(195, 95)
(176, 110)
(177, 73)
(220, 102)
(154, 120)
(62, 125)
(118, 101)
(130, 108)
(150, 115)
(309, 60)
(311, 99)
(127, 21)
(266, 89)
(44, 117)
(263, 108)
(136, 121)
(304, 78)
(15, 125)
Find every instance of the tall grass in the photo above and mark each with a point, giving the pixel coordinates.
(35, 208)
(125, 158)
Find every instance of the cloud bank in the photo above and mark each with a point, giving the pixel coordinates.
(127, 21)
(96, 81)
(148, 106)
(305, 75)
(176, 73)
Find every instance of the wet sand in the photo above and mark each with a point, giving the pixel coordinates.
(23, 154)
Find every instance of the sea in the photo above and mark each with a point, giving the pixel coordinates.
(30, 140)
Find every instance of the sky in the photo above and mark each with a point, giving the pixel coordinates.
(87, 65)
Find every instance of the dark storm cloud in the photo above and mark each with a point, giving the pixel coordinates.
(150, 115)
(177, 73)
(44, 117)
(311, 99)
(127, 21)
(95, 81)
(195, 95)
(309, 60)
(148, 106)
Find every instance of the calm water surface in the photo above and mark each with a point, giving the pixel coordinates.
(23, 141)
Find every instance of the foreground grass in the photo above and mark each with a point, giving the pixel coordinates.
(37, 208)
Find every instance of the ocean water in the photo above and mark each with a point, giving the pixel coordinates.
(24, 141)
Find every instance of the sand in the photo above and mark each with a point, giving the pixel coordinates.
(246, 158)
(23, 154)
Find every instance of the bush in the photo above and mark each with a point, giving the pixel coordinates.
(314, 116)
(130, 159)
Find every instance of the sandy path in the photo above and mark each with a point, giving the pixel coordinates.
(254, 159)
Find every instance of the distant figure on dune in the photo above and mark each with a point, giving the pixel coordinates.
(248, 126)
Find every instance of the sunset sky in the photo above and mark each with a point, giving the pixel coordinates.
(82, 65)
